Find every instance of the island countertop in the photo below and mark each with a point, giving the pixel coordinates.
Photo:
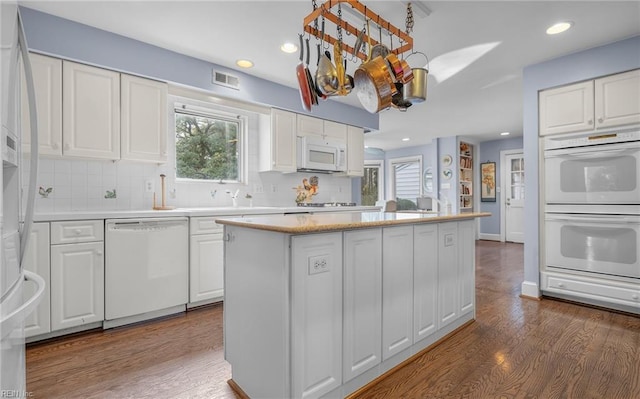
(325, 222)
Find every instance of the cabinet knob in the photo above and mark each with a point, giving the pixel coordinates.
(99, 252)
(55, 146)
(590, 122)
(560, 285)
(635, 297)
(600, 120)
(77, 231)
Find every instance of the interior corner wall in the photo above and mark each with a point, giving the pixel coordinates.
(617, 57)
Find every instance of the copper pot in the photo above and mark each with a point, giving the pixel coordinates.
(374, 85)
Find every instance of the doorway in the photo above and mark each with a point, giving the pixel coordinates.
(512, 204)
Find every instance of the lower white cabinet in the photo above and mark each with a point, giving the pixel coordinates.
(466, 264)
(37, 260)
(397, 290)
(448, 297)
(316, 314)
(206, 257)
(77, 277)
(425, 281)
(362, 301)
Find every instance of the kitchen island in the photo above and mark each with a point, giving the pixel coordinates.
(321, 305)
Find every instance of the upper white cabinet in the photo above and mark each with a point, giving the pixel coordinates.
(617, 99)
(143, 119)
(278, 142)
(47, 77)
(310, 126)
(334, 130)
(90, 111)
(566, 109)
(355, 151)
(601, 103)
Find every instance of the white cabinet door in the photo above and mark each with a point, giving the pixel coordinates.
(397, 290)
(90, 111)
(617, 99)
(77, 284)
(277, 143)
(47, 80)
(144, 119)
(467, 265)
(206, 267)
(309, 126)
(37, 260)
(335, 130)
(362, 301)
(316, 325)
(448, 296)
(425, 280)
(355, 151)
(566, 109)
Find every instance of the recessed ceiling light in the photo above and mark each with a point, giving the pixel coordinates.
(504, 134)
(289, 48)
(406, 139)
(244, 63)
(559, 27)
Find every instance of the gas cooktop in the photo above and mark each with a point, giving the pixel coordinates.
(325, 204)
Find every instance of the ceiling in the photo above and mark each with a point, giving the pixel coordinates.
(484, 46)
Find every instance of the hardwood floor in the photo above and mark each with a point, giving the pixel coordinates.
(516, 348)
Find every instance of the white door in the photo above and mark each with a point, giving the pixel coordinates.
(514, 197)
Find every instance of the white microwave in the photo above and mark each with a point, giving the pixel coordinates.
(321, 155)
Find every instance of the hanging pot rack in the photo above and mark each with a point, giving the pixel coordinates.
(325, 11)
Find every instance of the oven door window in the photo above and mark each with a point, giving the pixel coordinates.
(594, 176)
(606, 247)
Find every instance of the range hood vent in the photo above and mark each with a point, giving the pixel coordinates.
(226, 80)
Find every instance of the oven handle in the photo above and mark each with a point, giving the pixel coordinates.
(587, 153)
(594, 218)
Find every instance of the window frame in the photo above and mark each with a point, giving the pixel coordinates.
(391, 188)
(379, 163)
(213, 111)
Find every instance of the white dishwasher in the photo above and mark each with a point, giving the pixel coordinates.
(146, 267)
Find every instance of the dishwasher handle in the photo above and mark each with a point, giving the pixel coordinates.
(146, 225)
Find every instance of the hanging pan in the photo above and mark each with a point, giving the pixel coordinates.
(416, 90)
(303, 83)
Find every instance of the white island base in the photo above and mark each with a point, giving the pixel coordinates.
(321, 310)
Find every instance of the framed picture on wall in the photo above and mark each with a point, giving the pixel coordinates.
(488, 180)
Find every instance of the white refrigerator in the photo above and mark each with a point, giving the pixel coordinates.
(16, 214)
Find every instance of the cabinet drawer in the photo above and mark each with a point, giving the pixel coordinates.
(205, 225)
(77, 231)
(584, 287)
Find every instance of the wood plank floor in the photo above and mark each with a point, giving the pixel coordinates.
(517, 348)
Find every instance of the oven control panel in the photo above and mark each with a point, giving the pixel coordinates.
(591, 138)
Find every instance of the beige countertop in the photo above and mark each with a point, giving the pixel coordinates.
(322, 222)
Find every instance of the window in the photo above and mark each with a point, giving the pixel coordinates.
(208, 146)
(372, 183)
(406, 186)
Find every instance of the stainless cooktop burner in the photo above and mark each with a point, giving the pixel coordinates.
(325, 204)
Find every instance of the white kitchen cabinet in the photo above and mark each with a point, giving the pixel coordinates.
(425, 280)
(566, 109)
(335, 130)
(448, 292)
(143, 119)
(77, 274)
(37, 260)
(90, 111)
(617, 99)
(467, 266)
(206, 257)
(397, 290)
(362, 301)
(316, 314)
(277, 142)
(309, 126)
(355, 151)
(47, 79)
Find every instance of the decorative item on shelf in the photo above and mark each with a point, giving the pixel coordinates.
(306, 191)
(447, 173)
(163, 206)
(110, 194)
(446, 160)
(488, 179)
(44, 192)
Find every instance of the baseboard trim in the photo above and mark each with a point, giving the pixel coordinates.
(489, 237)
(237, 390)
(529, 289)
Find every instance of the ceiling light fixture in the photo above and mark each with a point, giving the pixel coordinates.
(244, 63)
(406, 139)
(289, 47)
(559, 27)
(504, 134)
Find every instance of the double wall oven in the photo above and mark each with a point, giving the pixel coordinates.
(592, 216)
